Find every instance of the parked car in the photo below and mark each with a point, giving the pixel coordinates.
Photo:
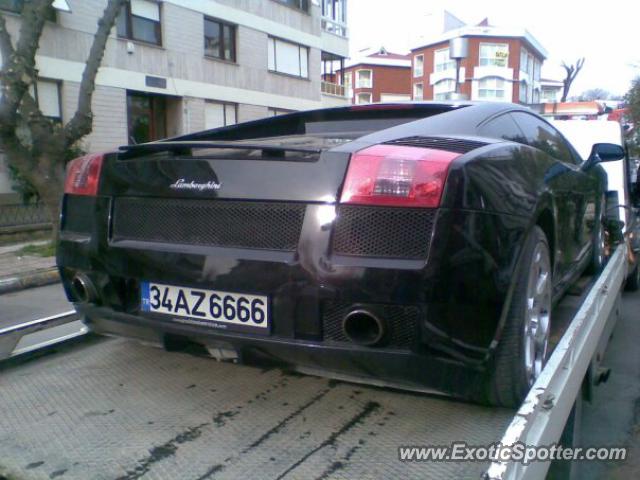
(622, 184)
(419, 245)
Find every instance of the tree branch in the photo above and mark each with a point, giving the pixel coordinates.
(19, 67)
(82, 122)
(6, 47)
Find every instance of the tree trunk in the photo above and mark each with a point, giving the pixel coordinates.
(50, 186)
(47, 176)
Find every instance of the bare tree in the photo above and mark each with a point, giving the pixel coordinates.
(572, 72)
(594, 94)
(34, 145)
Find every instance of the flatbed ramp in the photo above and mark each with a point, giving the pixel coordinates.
(114, 409)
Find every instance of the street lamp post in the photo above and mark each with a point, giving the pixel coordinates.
(458, 50)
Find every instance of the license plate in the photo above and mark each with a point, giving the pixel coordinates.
(214, 308)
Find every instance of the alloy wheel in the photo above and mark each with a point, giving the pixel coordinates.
(538, 314)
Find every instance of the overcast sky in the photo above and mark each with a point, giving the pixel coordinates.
(606, 33)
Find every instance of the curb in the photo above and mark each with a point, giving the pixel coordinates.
(37, 278)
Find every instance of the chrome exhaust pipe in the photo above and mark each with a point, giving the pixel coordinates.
(363, 328)
(83, 289)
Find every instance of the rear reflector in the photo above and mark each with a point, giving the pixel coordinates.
(395, 175)
(83, 174)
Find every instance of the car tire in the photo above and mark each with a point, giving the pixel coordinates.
(523, 346)
(633, 280)
(598, 251)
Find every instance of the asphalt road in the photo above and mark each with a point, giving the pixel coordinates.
(613, 417)
(25, 305)
(34, 303)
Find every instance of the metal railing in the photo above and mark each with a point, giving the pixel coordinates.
(333, 89)
(13, 215)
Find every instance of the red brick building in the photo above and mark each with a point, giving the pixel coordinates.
(503, 64)
(380, 76)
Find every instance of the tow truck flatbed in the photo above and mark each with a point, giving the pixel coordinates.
(111, 408)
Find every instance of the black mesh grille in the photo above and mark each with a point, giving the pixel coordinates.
(458, 145)
(401, 321)
(383, 231)
(79, 214)
(270, 226)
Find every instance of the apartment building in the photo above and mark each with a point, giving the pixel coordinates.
(503, 64)
(377, 76)
(176, 66)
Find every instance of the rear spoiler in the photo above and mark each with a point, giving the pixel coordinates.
(187, 147)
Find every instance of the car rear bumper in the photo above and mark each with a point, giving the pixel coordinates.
(443, 311)
(413, 370)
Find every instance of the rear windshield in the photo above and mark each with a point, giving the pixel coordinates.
(349, 122)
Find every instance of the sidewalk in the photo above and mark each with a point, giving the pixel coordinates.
(18, 272)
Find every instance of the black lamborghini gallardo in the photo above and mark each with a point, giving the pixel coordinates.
(421, 245)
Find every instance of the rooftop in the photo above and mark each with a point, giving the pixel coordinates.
(380, 57)
(448, 30)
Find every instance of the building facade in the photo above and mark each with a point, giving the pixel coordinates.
(503, 64)
(380, 76)
(551, 90)
(177, 66)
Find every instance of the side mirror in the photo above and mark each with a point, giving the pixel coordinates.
(606, 152)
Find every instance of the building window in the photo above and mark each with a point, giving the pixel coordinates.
(334, 17)
(536, 70)
(443, 88)
(418, 91)
(219, 114)
(442, 61)
(494, 54)
(274, 112)
(16, 6)
(362, 98)
(418, 65)
(219, 40)
(46, 93)
(491, 88)
(147, 117)
(140, 20)
(347, 80)
(524, 60)
(536, 96)
(364, 79)
(298, 4)
(523, 92)
(289, 58)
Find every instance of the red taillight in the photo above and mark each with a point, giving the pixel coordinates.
(83, 174)
(397, 176)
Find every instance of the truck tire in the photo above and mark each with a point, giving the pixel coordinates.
(633, 280)
(522, 349)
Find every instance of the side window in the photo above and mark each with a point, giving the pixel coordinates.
(502, 127)
(544, 137)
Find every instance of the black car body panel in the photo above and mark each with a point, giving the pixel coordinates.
(441, 278)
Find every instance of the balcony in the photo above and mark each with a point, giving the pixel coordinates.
(333, 89)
